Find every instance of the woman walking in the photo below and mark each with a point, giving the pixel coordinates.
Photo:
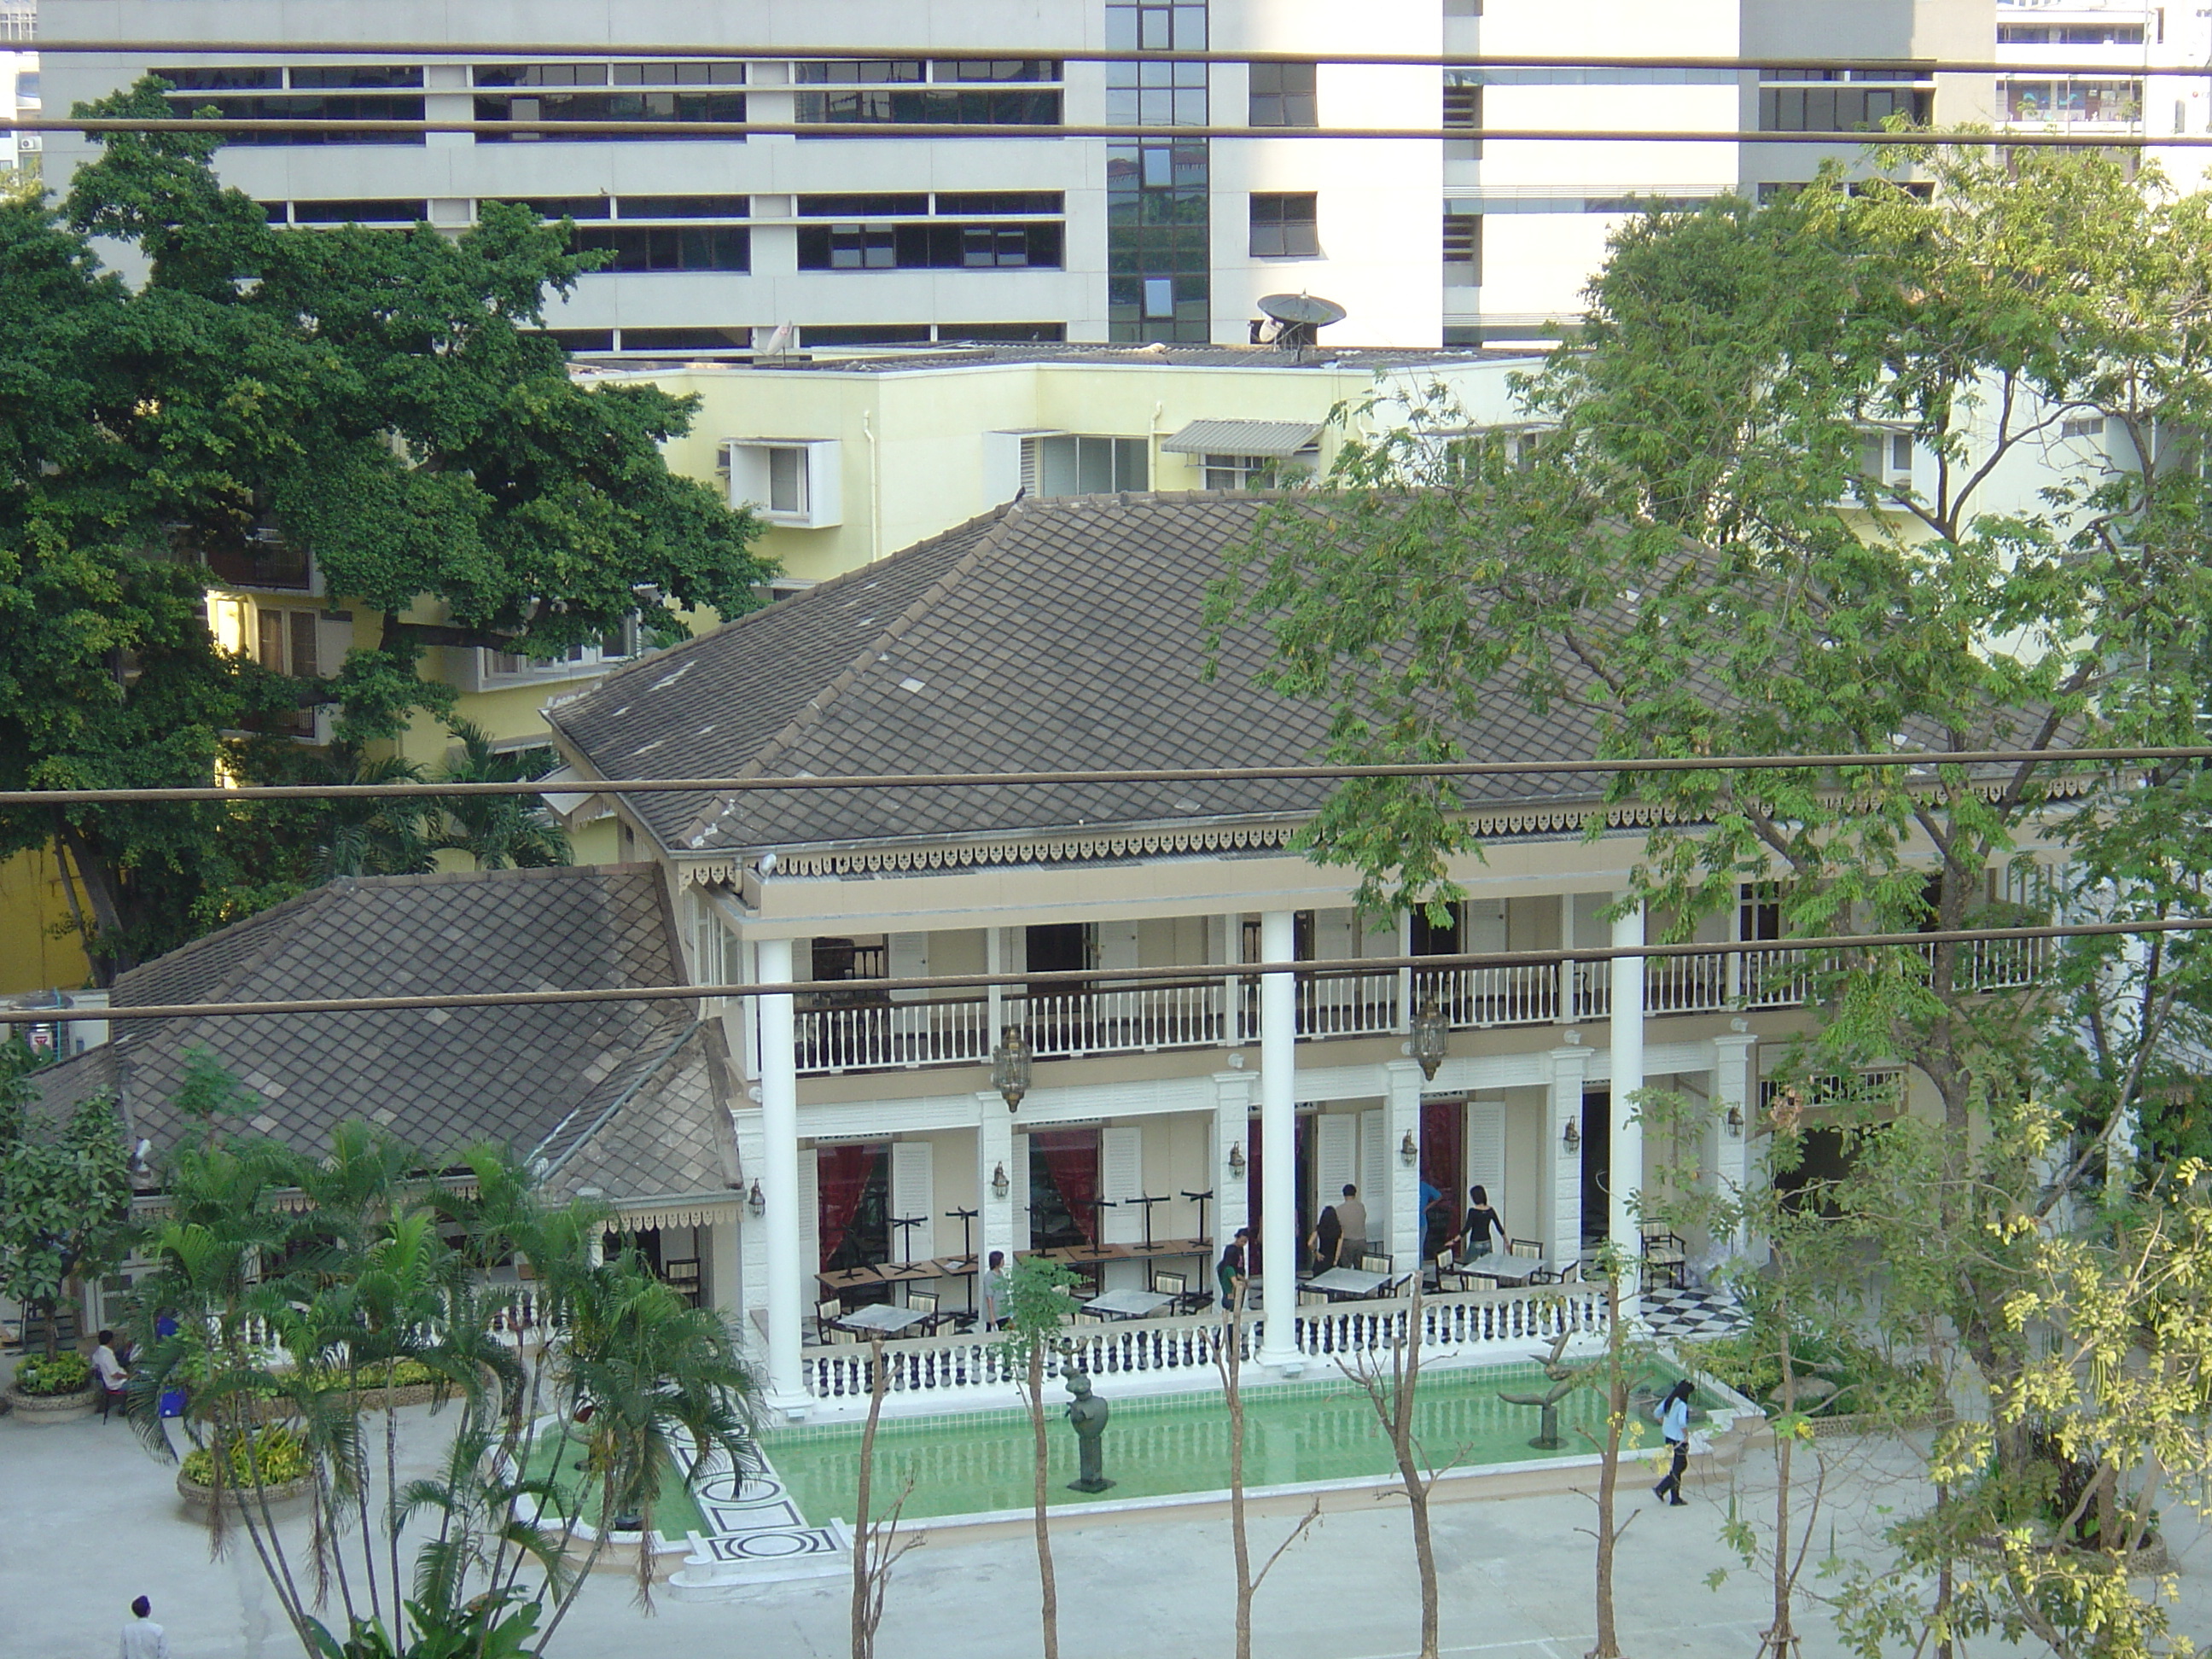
(1675, 1429)
(1481, 1222)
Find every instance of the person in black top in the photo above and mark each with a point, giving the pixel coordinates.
(1481, 1222)
(1230, 1269)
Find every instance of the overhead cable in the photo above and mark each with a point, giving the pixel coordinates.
(1075, 977)
(1922, 760)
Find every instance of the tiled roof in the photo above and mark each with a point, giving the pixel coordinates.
(543, 1081)
(1057, 634)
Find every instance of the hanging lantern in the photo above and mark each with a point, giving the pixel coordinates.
(1010, 1068)
(1431, 1035)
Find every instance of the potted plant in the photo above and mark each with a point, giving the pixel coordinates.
(274, 1454)
(53, 1388)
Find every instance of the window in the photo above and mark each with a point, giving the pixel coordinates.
(988, 203)
(668, 247)
(1258, 472)
(359, 213)
(1155, 94)
(606, 107)
(684, 207)
(977, 108)
(1283, 227)
(2082, 426)
(687, 340)
(1283, 96)
(1835, 105)
(618, 644)
(878, 206)
(933, 246)
(1155, 25)
(2072, 100)
(1070, 465)
(2069, 35)
(1462, 113)
(717, 74)
(856, 71)
(792, 482)
(1463, 250)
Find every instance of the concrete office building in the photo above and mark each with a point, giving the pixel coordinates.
(718, 242)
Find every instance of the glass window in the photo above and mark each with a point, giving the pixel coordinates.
(1283, 96)
(787, 481)
(1090, 466)
(606, 107)
(1284, 227)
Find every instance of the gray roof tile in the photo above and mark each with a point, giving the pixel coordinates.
(542, 1081)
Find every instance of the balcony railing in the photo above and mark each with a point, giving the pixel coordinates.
(863, 1031)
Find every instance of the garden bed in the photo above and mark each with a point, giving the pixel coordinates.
(51, 1408)
(280, 1499)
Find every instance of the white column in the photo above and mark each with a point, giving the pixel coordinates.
(1403, 1226)
(1279, 1137)
(780, 1178)
(1559, 1167)
(1626, 1163)
(1233, 1123)
(1735, 1063)
(995, 1151)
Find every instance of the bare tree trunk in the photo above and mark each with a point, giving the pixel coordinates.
(1232, 1366)
(1616, 1414)
(1780, 1638)
(1049, 1591)
(104, 945)
(864, 1630)
(1407, 1362)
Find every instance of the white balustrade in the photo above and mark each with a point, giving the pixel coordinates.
(1471, 998)
(1348, 1005)
(980, 1366)
(1121, 1019)
(894, 1035)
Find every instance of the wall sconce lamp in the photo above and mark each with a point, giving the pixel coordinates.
(1010, 1068)
(1409, 1153)
(1000, 1185)
(1236, 1157)
(1572, 1136)
(1431, 1035)
(757, 1201)
(1734, 1120)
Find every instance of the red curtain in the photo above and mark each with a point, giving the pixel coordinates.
(841, 1179)
(1071, 1158)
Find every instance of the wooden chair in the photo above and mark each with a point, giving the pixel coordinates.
(1375, 1264)
(826, 1316)
(1313, 1298)
(1531, 1247)
(1666, 1259)
(1176, 1286)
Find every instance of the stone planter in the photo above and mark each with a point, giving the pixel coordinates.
(200, 1501)
(48, 1408)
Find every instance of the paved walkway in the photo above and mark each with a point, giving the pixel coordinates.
(87, 1520)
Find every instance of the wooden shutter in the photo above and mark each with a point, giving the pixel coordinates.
(1115, 943)
(1486, 925)
(810, 1223)
(1335, 1146)
(1121, 1177)
(1374, 1170)
(913, 1193)
(1486, 1149)
(1331, 934)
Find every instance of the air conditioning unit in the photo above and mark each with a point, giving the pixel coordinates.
(797, 482)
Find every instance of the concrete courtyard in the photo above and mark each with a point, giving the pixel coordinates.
(88, 1520)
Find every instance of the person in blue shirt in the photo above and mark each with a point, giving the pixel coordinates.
(1675, 1429)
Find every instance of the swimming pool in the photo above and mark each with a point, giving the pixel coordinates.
(976, 1462)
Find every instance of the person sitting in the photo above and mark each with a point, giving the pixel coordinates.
(108, 1370)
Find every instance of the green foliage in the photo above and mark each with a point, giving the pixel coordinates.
(67, 1372)
(1037, 1304)
(270, 1456)
(64, 1198)
(385, 402)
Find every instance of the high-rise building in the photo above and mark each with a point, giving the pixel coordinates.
(2153, 82)
(717, 242)
(19, 83)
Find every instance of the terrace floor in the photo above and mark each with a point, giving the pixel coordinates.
(87, 1520)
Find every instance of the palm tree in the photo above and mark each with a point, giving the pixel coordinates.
(653, 1388)
(498, 831)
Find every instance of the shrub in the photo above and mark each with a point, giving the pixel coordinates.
(65, 1373)
(275, 1449)
(406, 1374)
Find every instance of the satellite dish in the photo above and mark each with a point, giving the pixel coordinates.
(1297, 316)
(1302, 310)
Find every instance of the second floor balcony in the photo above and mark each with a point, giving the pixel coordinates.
(866, 1030)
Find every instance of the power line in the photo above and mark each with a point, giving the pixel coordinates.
(1120, 977)
(1915, 68)
(695, 130)
(1920, 760)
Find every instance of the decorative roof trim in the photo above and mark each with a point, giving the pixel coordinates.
(679, 1215)
(1563, 819)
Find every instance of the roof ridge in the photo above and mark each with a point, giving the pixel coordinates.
(870, 654)
(273, 936)
(828, 585)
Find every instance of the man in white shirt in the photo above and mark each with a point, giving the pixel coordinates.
(1352, 1216)
(142, 1637)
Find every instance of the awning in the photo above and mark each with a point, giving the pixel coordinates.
(570, 805)
(1243, 438)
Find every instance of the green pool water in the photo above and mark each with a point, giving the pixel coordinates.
(972, 1463)
(674, 1514)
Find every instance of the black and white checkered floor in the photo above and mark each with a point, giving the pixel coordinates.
(1685, 1316)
